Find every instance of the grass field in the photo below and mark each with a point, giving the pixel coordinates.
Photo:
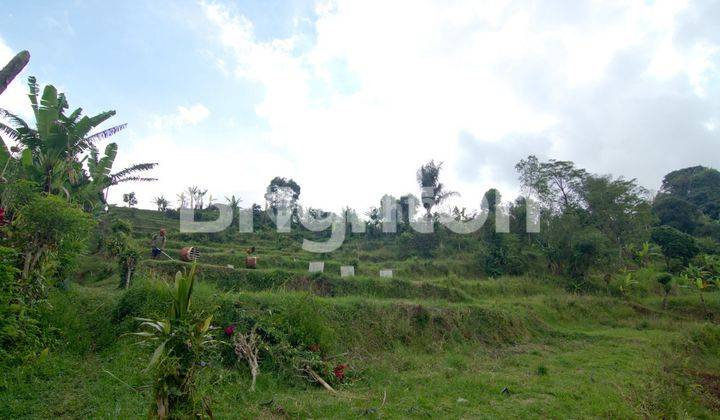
(429, 342)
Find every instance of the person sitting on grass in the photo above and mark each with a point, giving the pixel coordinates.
(158, 243)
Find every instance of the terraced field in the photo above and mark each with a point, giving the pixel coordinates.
(429, 342)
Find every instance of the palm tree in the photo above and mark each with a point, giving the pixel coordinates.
(55, 151)
(100, 177)
(200, 198)
(433, 191)
(128, 175)
(161, 203)
(233, 202)
(130, 199)
(182, 200)
(192, 194)
(52, 151)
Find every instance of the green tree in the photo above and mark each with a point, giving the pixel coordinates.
(282, 193)
(56, 149)
(674, 244)
(50, 232)
(556, 184)
(698, 185)
(619, 208)
(130, 199)
(665, 281)
(53, 150)
(433, 191)
(161, 203)
(674, 211)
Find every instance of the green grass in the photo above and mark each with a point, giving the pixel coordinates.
(431, 342)
(596, 372)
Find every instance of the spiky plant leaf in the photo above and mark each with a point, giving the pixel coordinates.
(105, 133)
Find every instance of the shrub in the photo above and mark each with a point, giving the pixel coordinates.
(665, 280)
(21, 336)
(49, 232)
(183, 342)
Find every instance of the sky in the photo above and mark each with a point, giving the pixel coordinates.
(349, 98)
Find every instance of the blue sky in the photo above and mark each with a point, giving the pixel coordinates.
(350, 97)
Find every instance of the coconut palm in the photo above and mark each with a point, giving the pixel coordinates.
(433, 191)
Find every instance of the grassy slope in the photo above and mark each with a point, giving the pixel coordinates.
(414, 350)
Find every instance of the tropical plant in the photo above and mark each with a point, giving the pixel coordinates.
(48, 225)
(642, 254)
(182, 344)
(12, 69)
(196, 197)
(233, 202)
(665, 280)
(628, 282)
(129, 175)
(161, 203)
(127, 262)
(702, 280)
(130, 199)
(433, 191)
(22, 336)
(54, 152)
(181, 200)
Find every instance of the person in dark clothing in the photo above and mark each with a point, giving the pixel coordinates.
(158, 243)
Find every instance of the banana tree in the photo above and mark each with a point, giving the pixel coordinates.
(129, 174)
(703, 280)
(101, 178)
(53, 150)
(12, 68)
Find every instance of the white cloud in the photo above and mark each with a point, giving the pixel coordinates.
(221, 170)
(183, 117)
(380, 87)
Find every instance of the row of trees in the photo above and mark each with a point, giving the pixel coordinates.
(588, 223)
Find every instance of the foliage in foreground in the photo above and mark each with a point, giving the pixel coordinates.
(183, 342)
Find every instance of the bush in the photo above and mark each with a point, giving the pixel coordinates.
(21, 335)
(183, 344)
(50, 233)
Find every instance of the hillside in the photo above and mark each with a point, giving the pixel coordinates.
(440, 338)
